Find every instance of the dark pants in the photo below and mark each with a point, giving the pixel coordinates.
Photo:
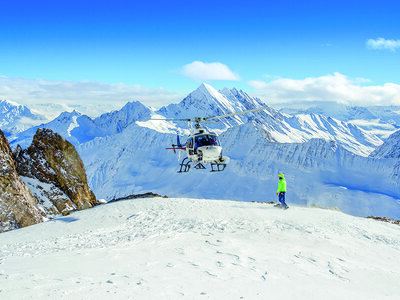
(282, 199)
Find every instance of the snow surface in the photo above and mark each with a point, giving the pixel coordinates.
(201, 249)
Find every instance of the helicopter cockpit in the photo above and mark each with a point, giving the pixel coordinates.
(206, 140)
(202, 140)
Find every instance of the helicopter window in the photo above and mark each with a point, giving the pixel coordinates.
(189, 143)
(206, 140)
(214, 140)
(199, 141)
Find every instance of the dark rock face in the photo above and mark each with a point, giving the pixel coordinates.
(53, 169)
(18, 206)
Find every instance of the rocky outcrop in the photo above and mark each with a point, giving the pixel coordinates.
(53, 169)
(18, 206)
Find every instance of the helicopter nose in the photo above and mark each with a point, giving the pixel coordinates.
(211, 153)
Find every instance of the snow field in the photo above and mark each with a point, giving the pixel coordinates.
(201, 249)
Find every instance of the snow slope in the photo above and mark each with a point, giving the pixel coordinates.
(201, 249)
(390, 149)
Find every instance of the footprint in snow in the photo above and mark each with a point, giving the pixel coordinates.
(211, 274)
(264, 276)
(208, 242)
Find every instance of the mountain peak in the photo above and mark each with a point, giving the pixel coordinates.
(14, 108)
(5, 102)
(15, 118)
(133, 106)
(68, 115)
(207, 90)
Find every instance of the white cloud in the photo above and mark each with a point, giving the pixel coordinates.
(200, 71)
(94, 97)
(337, 87)
(383, 44)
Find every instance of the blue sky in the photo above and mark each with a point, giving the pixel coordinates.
(149, 43)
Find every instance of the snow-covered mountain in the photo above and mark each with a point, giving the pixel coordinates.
(15, 118)
(124, 154)
(79, 128)
(207, 101)
(193, 249)
(282, 128)
(390, 149)
(379, 120)
(74, 126)
(117, 121)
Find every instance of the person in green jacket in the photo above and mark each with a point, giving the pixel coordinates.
(281, 191)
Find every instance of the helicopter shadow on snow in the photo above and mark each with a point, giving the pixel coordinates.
(65, 219)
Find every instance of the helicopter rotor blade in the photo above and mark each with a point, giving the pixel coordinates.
(202, 119)
(185, 120)
(211, 122)
(238, 113)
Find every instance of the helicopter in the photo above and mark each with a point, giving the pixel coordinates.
(202, 145)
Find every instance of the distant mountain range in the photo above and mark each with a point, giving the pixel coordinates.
(15, 118)
(327, 161)
(379, 120)
(206, 101)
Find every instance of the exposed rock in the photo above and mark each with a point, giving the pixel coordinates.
(53, 169)
(18, 206)
(385, 219)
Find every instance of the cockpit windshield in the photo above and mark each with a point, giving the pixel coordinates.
(206, 140)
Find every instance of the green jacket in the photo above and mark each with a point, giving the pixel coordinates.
(281, 185)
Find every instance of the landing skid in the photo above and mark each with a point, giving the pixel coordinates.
(185, 166)
(217, 167)
(200, 166)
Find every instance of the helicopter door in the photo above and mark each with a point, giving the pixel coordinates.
(189, 145)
